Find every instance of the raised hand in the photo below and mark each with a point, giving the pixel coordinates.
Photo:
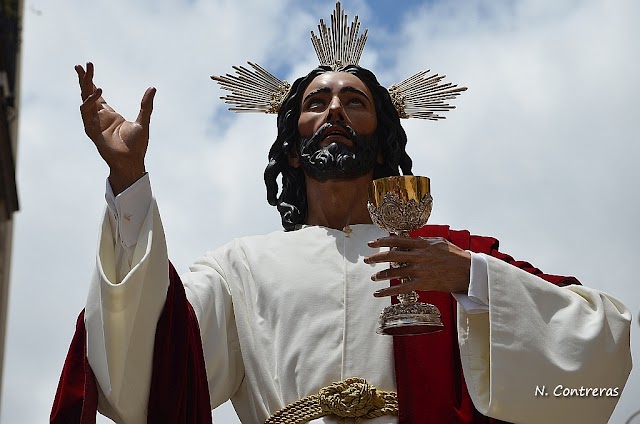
(121, 143)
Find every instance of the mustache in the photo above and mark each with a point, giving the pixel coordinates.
(323, 131)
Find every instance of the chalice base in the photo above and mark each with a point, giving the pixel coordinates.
(395, 320)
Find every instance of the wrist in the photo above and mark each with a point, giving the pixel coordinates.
(122, 179)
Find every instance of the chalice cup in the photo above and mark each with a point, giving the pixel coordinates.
(400, 205)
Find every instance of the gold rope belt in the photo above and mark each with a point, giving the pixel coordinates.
(353, 398)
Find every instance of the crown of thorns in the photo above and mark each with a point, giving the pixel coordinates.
(422, 95)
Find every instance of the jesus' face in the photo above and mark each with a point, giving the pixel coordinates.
(337, 126)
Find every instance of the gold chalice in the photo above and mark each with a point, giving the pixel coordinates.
(400, 205)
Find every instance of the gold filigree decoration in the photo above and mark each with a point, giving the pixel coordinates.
(428, 312)
(396, 216)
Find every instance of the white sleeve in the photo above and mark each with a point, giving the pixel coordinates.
(127, 212)
(121, 317)
(476, 300)
(544, 353)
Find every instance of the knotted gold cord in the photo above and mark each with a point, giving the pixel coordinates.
(353, 398)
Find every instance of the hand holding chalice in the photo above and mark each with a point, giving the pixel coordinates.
(400, 205)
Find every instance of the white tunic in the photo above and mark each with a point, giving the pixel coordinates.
(285, 314)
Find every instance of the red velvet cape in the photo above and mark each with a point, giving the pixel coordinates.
(179, 390)
(429, 377)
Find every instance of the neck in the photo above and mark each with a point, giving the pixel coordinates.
(338, 203)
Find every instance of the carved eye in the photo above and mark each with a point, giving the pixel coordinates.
(316, 104)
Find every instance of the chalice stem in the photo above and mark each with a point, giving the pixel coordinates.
(411, 297)
(408, 298)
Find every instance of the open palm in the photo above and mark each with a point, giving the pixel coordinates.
(121, 143)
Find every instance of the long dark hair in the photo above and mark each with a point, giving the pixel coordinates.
(292, 201)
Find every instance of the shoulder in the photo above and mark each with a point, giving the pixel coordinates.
(269, 242)
(461, 238)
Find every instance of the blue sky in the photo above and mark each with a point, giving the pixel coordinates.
(540, 153)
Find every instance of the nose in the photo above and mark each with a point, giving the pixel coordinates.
(336, 112)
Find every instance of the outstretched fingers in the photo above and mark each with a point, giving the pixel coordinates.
(88, 88)
(146, 107)
(88, 103)
(85, 79)
(402, 249)
(405, 287)
(89, 114)
(406, 242)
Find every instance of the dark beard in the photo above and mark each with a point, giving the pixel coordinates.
(335, 161)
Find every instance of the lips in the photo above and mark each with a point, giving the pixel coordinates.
(336, 130)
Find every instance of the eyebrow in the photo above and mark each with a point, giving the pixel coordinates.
(347, 89)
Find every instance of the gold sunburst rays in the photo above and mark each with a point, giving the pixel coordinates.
(255, 89)
(423, 96)
(342, 44)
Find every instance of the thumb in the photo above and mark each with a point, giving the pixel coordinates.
(146, 107)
